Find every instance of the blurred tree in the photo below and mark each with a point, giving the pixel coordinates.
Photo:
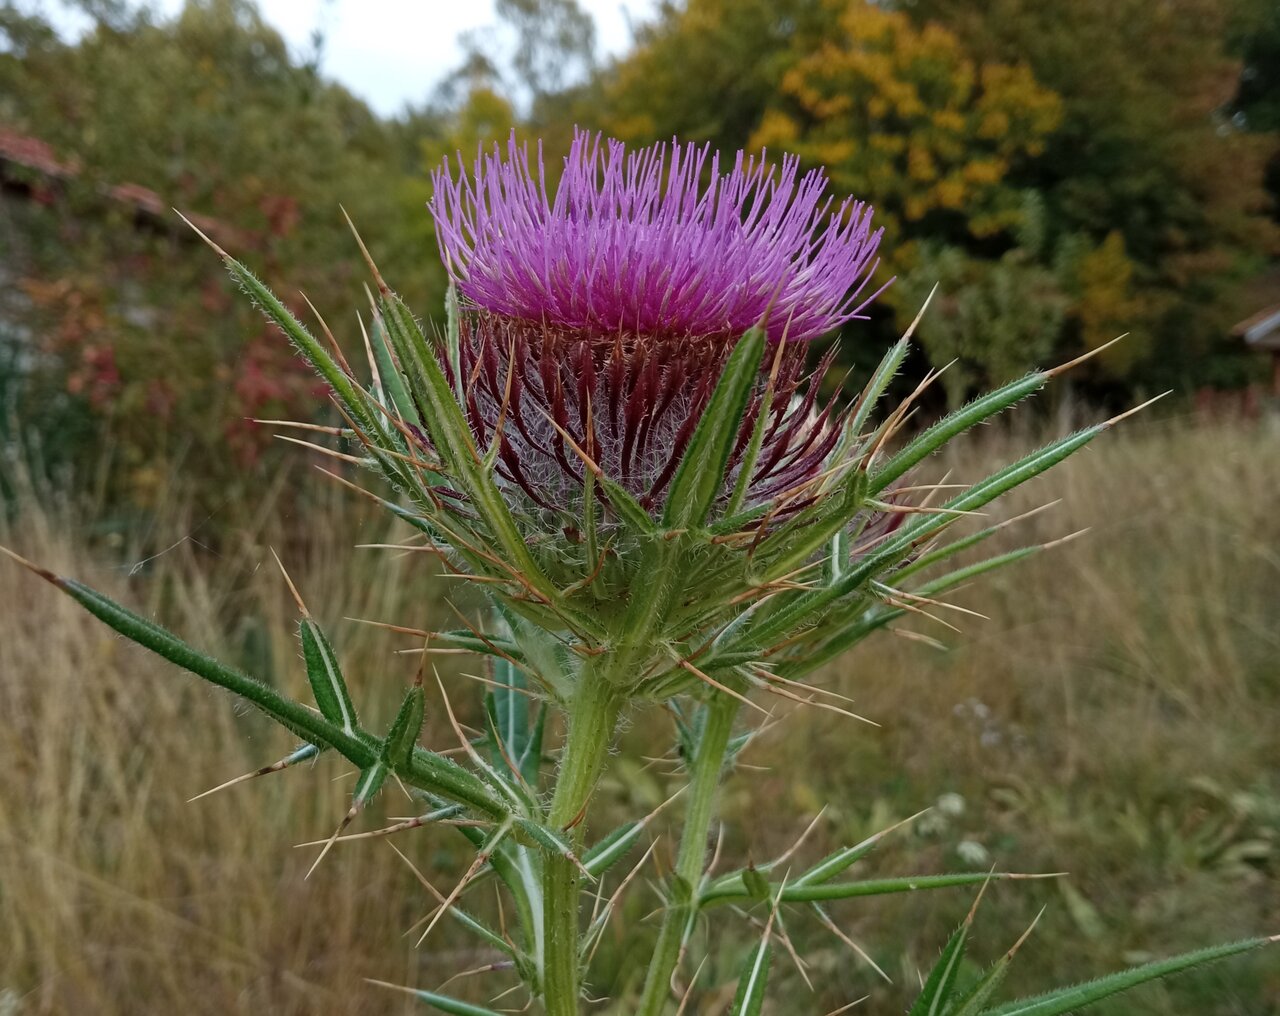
(1146, 163)
(707, 69)
(905, 117)
(900, 115)
(1113, 111)
(208, 112)
(990, 319)
(1255, 36)
(556, 43)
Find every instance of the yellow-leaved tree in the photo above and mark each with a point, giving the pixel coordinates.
(902, 115)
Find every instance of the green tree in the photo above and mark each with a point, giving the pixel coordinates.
(1145, 153)
(210, 113)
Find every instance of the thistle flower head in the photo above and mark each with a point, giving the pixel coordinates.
(605, 313)
(656, 242)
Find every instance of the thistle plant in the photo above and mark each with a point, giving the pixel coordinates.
(616, 438)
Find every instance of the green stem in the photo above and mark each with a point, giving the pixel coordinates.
(593, 715)
(704, 781)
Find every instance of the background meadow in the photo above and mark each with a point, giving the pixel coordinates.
(1115, 718)
(1066, 173)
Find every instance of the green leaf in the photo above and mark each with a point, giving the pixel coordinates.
(450, 436)
(700, 477)
(757, 885)
(327, 683)
(804, 606)
(402, 738)
(1066, 1000)
(548, 840)
(510, 708)
(879, 381)
(354, 398)
(443, 1002)
(530, 762)
(453, 339)
(307, 724)
(941, 982)
(841, 860)
(751, 985)
(370, 782)
(980, 994)
(392, 378)
(611, 849)
(626, 507)
(734, 890)
(953, 424)
(799, 539)
(857, 624)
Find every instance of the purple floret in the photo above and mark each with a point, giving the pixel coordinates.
(635, 242)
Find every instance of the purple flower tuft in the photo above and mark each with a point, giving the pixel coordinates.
(635, 243)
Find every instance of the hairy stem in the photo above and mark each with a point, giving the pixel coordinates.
(704, 781)
(592, 718)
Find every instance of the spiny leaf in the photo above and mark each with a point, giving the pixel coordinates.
(803, 606)
(736, 891)
(751, 985)
(370, 782)
(327, 683)
(607, 852)
(841, 860)
(510, 708)
(312, 351)
(982, 992)
(442, 1002)
(304, 722)
(941, 982)
(878, 382)
(953, 424)
(756, 883)
(450, 436)
(392, 378)
(550, 841)
(700, 477)
(403, 735)
(1066, 1000)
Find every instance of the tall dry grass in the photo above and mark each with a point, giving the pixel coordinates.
(1116, 717)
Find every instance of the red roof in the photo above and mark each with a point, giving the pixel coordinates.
(32, 153)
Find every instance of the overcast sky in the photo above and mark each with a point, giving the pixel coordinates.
(390, 52)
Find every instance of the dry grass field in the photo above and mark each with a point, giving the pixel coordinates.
(1117, 717)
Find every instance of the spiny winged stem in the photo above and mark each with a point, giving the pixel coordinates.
(593, 715)
(704, 780)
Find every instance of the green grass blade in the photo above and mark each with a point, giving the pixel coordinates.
(1067, 1000)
